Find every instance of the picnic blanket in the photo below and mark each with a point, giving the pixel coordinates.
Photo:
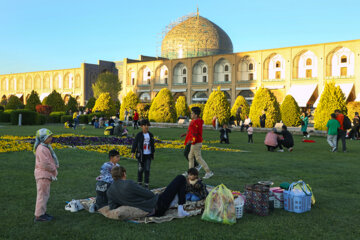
(136, 215)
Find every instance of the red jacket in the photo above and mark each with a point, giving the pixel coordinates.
(194, 132)
(136, 116)
(340, 118)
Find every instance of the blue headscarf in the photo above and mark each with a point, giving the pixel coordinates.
(41, 135)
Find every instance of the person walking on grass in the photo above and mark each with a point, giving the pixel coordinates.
(342, 131)
(136, 119)
(304, 124)
(194, 137)
(333, 126)
(144, 147)
(46, 166)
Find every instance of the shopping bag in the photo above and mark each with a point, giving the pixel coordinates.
(299, 186)
(257, 199)
(219, 206)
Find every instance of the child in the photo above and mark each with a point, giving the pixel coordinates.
(195, 189)
(45, 171)
(144, 147)
(250, 131)
(105, 180)
(224, 134)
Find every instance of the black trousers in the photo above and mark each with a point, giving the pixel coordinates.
(262, 124)
(341, 135)
(186, 154)
(305, 133)
(144, 167)
(272, 148)
(250, 138)
(226, 140)
(285, 144)
(136, 126)
(101, 197)
(176, 187)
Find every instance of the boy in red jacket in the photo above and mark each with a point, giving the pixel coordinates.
(194, 137)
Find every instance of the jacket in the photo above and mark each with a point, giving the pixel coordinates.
(194, 132)
(44, 166)
(222, 133)
(199, 189)
(138, 145)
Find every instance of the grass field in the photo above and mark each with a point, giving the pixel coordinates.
(334, 178)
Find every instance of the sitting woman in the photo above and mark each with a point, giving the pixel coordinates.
(195, 188)
(271, 140)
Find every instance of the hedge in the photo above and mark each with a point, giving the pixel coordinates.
(41, 119)
(28, 117)
(4, 117)
(83, 119)
(55, 117)
(65, 118)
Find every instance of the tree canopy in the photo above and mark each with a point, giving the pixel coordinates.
(107, 82)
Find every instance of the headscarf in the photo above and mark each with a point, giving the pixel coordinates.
(41, 135)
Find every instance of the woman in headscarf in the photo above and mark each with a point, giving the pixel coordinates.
(45, 172)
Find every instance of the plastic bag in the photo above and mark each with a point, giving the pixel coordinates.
(219, 206)
(298, 186)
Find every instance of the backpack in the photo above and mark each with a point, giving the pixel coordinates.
(346, 123)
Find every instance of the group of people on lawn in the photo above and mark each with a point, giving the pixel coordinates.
(112, 186)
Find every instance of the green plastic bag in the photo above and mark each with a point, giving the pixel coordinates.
(219, 206)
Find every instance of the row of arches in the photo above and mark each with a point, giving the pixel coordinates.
(66, 97)
(339, 63)
(41, 82)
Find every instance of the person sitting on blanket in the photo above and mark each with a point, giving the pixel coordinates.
(105, 180)
(195, 188)
(125, 192)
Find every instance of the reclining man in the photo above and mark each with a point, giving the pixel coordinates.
(125, 192)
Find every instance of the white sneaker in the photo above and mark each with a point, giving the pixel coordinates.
(280, 150)
(308, 136)
(198, 168)
(208, 175)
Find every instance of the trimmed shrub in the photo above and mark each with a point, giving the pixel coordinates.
(290, 112)
(4, 116)
(163, 107)
(83, 119)
(245, 109)
(55, 117)
(105, 104)
(143, 110)
(217, 105)
(65, 118)
(71, 105)
(14, 103)
(181, 107)
(41, 119)
(353, 107)
(43, 109)
(97, 114)
(55, 101)
(265, 99)
(200, 105)
(331, 99)
(28, 117)
(130, 101)
(32, 101)
(2, 108)
(91, 103)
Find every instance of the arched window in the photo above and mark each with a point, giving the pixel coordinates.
(199, 72)
(251, 67)
(204, 69)
(278, 64)
(132, 78)
(343, 59)
(226, 69)
(308, 62)
(184, 71)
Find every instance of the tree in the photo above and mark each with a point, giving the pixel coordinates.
(107, 82)
(217, 105)
(71, 105)
(245, 109)
(199, 105)
(143, 110)
(182, 109)
(105, 104)
(55, 101)
(265, 100)
(14, 103)
(32, 101)
(353, 107)
(163, 107)
(130, 101)
(331, 99)
(91, 103)
(290, 111)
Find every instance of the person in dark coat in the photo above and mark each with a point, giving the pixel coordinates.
(262, 119)
(144, 147)
(224, 134)
(287, 140)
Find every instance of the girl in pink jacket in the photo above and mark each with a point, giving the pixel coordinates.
(45, 171)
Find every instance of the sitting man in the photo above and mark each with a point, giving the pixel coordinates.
(287, 140)
(128, 193)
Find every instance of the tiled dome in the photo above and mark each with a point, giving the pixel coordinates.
(196, 36)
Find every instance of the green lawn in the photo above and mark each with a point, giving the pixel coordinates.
(334, 178)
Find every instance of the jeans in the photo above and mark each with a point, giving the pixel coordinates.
(285, 144)
(341, 135)
(195, 150)
(192, 197)
(101, 197)
(332, 140)
(176, 187)
(144, 166)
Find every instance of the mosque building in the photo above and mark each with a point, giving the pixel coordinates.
(196, 58)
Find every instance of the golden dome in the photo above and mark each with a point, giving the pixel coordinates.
(196, 36)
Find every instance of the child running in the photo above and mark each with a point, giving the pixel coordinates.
(104, 180)
(45, 172)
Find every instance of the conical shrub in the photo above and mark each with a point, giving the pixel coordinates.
(130, 101)
(217, 105)
(182, 109)
(105, 104)
(245, 109)
(32, 101)
(163, 107)
(290, 111)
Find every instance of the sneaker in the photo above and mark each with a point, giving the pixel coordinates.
(42, 218)
(334, 149)
(208, 175)
(280, 150)
(291, 149)
(308, 136)
(49, 216)
(199, 167)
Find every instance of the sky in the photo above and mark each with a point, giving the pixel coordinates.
(48, 35)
